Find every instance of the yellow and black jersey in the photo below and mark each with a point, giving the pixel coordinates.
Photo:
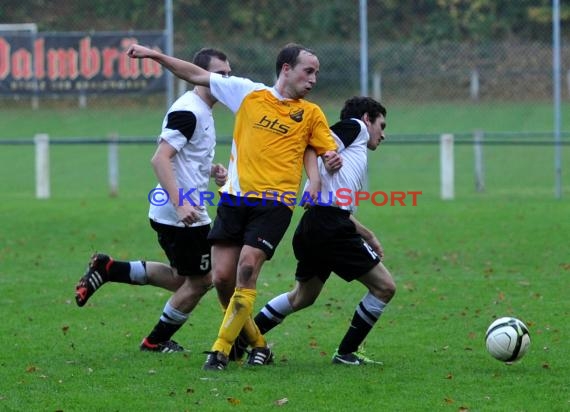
(270, 137)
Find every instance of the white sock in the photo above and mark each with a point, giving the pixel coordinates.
(277, 308)
(370, 308)
(138, 273)
(172, 315)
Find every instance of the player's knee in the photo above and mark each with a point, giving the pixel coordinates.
(305, 303)
(301, 300)
(384, 290)
(224, 283)
(390, 288)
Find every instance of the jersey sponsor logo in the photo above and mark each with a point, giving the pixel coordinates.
(297, 115)
(275, 126)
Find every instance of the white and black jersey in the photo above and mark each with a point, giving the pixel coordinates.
(188, 126)
(326, 240)
(352, 138)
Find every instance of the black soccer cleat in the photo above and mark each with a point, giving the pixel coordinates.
(260, 356)
(96, 275)
(168, 346)
(354, 358)
(216, 361)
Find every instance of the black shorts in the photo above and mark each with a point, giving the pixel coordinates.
(187, 248)
(257, 224)
(326, 241)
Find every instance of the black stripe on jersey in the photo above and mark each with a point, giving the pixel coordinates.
(183, 121)
(347, 131)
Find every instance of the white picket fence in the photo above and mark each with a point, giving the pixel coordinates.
(446, 142)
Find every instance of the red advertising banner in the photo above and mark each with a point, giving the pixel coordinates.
(78, 63)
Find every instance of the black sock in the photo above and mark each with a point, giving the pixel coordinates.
(355, 335)
(120, 272)
(264, 323)
(162, 332)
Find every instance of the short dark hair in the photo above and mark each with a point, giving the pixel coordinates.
(356, 106)
(289, 54)
(204, 56)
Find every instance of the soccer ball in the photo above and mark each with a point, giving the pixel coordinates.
(507, 339)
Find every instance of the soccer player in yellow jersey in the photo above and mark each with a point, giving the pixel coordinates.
(273, 128)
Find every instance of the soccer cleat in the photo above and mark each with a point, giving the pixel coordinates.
(168, 346)
(354, 358)
(216, 361)
(260, 356)
(97, 274)
(238, 349)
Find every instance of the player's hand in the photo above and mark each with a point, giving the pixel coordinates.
(332, 161)
(220, 174)
(136, 51)
(188, 214)
(313, 189)
(376, 246)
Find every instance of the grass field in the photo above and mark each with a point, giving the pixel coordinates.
(458, 265)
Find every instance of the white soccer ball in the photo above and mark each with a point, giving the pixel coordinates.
(507, 339)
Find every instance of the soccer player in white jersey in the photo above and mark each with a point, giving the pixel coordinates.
(183, 165)
(329, 238)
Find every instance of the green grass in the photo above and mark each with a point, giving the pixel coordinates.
(458, 265)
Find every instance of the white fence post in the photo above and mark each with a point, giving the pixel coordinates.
(479, 163)
(377, 86)
(474, 85)
(42, 166)
(182, 87)
(113, 162)
(447, 166)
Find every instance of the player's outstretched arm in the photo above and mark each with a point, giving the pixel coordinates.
(180, 68)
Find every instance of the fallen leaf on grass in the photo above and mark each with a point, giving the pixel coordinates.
(31, 369)
(64, 329)
(248, 388)
(281, 402)
(234, 401)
